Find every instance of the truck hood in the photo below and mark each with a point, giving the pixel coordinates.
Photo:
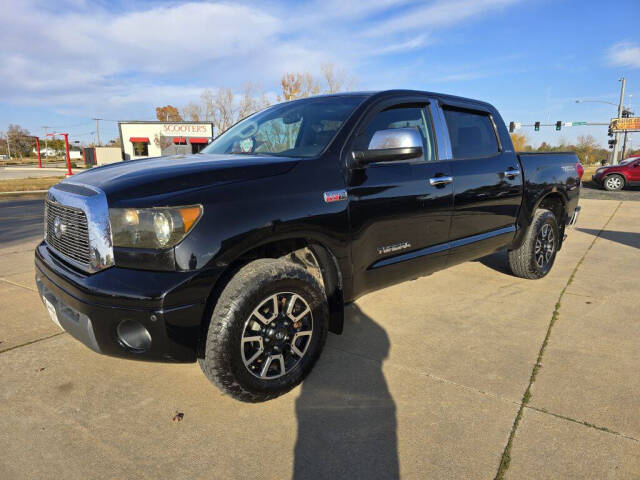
(178, 173)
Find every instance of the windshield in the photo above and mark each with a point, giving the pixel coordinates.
(294, 129)
(629, 160)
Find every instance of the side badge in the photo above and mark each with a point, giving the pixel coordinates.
(393, 248)
(335, 196)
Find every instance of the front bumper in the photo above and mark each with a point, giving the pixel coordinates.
(597, 179)
(169, 305)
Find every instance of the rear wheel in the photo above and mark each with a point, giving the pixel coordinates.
(614, 182)
(267, 331)
(537, 253)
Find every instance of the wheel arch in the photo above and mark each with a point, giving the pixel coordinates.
(308, 252)
(553, 200)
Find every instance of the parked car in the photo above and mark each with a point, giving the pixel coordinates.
(242, 257)
(617, 177)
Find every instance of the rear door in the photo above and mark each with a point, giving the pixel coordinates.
(399, 220)
(488, 183)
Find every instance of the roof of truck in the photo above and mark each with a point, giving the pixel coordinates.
(372, 93)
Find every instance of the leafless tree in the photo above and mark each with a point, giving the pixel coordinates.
(336, 80)
(20, 140)
(192, 111)
(162, 142)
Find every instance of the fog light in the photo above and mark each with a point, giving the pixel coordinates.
(133, 335)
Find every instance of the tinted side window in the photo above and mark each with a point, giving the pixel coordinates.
(404, 117)
(471, 133)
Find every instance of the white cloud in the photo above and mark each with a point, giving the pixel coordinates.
(90, 57)
(438, 14)
(625, 55)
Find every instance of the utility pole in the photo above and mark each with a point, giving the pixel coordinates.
(8, 146)
(616, 148)
(46, 140)
(98, 130)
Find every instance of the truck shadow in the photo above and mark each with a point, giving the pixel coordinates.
(497, 261)
(630, 239)
(346, 415)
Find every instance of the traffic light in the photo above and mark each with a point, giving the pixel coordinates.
(625, 113)
(610, 131)
(612, 143)
(558, 125)
(536, 126)
(512, 126)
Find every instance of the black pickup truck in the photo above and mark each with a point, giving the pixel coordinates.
(243, 256)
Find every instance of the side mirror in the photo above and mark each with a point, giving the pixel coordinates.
(392, 144)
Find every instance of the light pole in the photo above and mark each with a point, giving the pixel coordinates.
(620, 105)
(616, 147)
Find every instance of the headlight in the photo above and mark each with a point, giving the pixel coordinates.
(158, 227)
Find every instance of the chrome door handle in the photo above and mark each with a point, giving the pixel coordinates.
(511, 173)
(435, 181)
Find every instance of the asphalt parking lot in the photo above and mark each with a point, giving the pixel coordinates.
(468, 373)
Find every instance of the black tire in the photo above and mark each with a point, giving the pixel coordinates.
(225, 354)
(525, 261)
(613, 183)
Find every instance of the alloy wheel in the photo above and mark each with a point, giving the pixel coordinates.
(545, 245)
(614, 183)
(276, 335)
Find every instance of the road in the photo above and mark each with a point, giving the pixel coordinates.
(444, 377)
(20, 220)
(590, 191)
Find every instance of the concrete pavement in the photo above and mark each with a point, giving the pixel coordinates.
(468, 373)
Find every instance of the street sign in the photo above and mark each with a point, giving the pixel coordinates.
(625, 124)
(579, 123)
(568, 124)
(518, 125)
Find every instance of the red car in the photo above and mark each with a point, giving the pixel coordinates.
(616, 177)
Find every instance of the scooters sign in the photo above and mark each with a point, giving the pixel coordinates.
(186, 130)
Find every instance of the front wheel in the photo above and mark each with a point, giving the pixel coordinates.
(267, 331)
(614, 182)
(535, 257)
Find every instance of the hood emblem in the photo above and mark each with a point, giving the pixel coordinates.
(59, 228)
(335, 196)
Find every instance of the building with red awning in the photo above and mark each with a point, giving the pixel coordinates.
(144, 139)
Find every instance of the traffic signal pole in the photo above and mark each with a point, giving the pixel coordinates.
(616, 146)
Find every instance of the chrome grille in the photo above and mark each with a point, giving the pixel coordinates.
(67, 231)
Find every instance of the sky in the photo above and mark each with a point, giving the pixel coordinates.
(63, 63)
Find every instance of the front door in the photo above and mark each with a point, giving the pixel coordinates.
(634, 172)
(399, 221)
(488, 185)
